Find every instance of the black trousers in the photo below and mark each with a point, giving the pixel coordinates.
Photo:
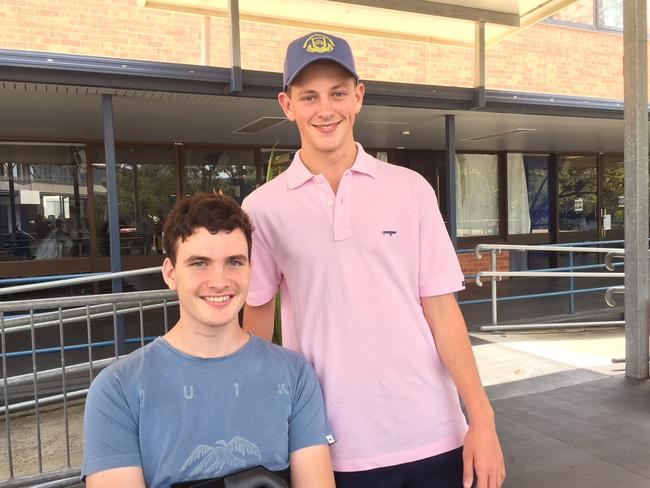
(441, 471)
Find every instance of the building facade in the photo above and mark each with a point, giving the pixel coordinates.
(538, 161)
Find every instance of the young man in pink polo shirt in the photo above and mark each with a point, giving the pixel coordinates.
(367, 272)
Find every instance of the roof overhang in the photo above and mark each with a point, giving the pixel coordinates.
(442, 22)
(390, 119)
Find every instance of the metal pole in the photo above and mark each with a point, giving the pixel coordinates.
(635, 65)
(235, 47)
(494, 287)
(572, 301)
(12, 198)
(479, 64)
(113, 209)
(450, 162)
(5, 390)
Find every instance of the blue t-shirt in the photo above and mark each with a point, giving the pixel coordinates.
(180, 417)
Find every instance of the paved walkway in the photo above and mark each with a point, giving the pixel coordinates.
(567, 416)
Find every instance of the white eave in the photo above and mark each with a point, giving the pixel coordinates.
(441, 22)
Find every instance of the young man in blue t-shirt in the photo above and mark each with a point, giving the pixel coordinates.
(207, 399)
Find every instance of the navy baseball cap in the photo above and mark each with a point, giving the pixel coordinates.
(316, 46)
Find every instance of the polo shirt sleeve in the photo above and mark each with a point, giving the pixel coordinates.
(308, 425)
(439, 272)
(110, 429)
(266, 276)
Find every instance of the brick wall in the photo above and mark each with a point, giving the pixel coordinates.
(110, 28)
(560, 60)
(543, 58)
(470, 265)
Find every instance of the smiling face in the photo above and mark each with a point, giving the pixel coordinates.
(323, 101)
(211, 275)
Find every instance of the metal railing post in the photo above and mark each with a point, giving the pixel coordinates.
(493, 265)
(37, 414)
(64, 386)
(5, 390)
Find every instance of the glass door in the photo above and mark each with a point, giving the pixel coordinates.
(613, 197)
(578, 211)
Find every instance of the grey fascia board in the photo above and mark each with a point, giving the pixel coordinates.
(94, 64)
(383, 93)
(550, 104)
(111, 81)
(77, 70)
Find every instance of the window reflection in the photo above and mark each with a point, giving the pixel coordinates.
(477, 195)
(528, 199)
(43, 202)
(230, 172)
(610, 13)
(279, 159)
(577, 193)
(613, 193)
(579, 12)
(146, 184)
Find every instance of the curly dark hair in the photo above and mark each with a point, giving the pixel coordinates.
(215, 212)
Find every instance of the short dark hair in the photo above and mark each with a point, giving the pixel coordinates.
(215, 212)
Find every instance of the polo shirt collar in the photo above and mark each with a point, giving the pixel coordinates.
(298, 174)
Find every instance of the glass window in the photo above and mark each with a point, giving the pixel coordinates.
(577, 196)
(214, 170)
(146, 182)
(613, 192)
(580, 12)
(280, 160)
(477, 195)
(609, 14)
(43, 202)
(528, 200)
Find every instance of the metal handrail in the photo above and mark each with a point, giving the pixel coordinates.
(610, 256)
(543, 274)
(554, 326)
(24, 323)
(615, 254)
(78, 281)
(527, 247)
(59, 302)
(609, 294)
(64, 477)
(495, 276)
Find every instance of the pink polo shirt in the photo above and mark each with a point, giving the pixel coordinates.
(351, 268)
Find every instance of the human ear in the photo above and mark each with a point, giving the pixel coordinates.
(359, 92)
(168, 274)
(285, 102)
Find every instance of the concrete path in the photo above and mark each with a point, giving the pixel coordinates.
(567, 417)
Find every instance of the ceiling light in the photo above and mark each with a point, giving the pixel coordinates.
(493, 135)
(384, 122)
(406, 132)
(258, 125)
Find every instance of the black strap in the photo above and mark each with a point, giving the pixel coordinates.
(257, 477)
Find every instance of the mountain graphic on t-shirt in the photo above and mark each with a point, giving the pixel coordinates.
(209, 461)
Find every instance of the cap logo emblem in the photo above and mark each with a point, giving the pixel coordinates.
(318, 44)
